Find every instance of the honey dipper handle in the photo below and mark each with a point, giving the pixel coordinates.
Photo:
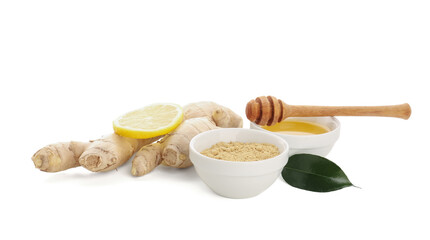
(398, 111)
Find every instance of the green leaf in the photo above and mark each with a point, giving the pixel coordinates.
(314, 173)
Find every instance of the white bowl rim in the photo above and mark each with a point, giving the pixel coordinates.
(275, 158)
(333, 131)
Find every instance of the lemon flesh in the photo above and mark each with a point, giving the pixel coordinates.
(150, 121)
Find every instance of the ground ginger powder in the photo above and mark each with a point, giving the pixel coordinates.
(243, 152)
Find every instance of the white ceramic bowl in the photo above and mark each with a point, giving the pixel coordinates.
(319, 144)
(237, 179)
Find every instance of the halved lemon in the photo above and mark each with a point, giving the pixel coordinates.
(150, 121)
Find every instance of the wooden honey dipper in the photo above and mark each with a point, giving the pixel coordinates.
(270, 110)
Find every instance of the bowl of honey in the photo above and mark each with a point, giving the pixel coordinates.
(313, 135)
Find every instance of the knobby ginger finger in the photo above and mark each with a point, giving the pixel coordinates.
(59, 156)
(111, 152)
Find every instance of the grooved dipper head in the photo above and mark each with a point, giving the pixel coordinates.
(265, 110)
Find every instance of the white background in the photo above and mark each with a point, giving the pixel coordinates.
(68, 68)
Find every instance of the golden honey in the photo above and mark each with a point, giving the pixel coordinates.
(294, 127)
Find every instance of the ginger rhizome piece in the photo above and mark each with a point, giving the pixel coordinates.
(173, 149)
(220, 115)
(111, 152)
(59, 156)
(98, 155)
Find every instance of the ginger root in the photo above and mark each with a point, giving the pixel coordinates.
(173, 149)
(222, 116)
(111, 152)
